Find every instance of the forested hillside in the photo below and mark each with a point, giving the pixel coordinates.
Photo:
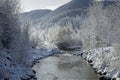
(34, 16)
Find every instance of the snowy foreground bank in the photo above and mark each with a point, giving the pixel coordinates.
(13, 71)
(104, 61)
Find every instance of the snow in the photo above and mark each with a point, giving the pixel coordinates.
(118, 79)
(14, 71)
(101, 60)
(113, 72)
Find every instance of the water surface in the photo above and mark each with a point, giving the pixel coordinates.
(64, 67)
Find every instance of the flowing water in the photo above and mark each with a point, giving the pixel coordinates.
(64, 67)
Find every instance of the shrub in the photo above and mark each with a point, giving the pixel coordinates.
(64, 38)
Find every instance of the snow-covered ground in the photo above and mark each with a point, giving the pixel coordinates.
(13, 71)
(104, 61)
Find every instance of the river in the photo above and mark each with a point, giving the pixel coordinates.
(64, 67)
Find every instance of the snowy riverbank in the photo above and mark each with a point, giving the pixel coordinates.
(104, 61)
(13, 71)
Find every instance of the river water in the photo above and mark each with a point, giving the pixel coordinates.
(64, 67)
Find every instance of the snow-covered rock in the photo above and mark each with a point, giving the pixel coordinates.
(113, 73)
(102, 59)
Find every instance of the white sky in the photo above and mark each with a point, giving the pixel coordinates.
(28, 5)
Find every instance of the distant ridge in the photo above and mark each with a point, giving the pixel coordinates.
(70, 9)
(34, 15)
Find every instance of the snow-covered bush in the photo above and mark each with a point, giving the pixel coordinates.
(36, 37)
(64, 37)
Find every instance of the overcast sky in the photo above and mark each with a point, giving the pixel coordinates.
(28, 5)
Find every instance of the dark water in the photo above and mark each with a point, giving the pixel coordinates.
(64, 67)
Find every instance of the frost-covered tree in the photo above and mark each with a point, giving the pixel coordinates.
(12, 36)
(9, 23)
(97, 27)
(114, 20)
(89, 27)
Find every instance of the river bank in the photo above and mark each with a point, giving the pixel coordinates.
(101, 61)
(64, 66)
(104, 61)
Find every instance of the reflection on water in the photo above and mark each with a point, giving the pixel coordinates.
(64, 67)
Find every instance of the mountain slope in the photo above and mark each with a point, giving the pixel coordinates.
(72, 9)
(63, 14)
(34, 15)
(74, 4)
